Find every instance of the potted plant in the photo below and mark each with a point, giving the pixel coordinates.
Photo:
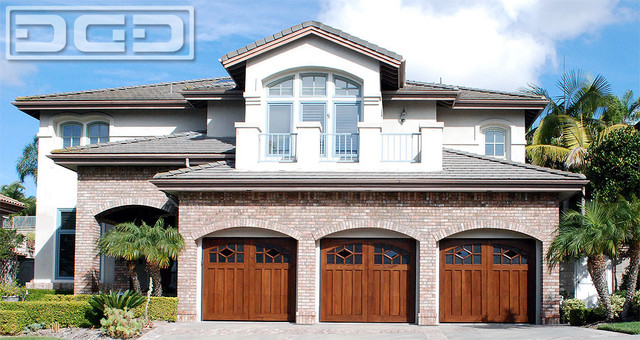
(12, 292)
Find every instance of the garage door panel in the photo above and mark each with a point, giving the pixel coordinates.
(248, 279)
(488, 280)
(367, 280)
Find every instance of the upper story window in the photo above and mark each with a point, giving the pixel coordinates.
(495, 143)
(98, 132)
(71, 134)
(282, 87)
(345, 87)
(314, 85)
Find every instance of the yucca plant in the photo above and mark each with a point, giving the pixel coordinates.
(126, 300)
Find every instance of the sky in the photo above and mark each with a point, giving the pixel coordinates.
(494, 44)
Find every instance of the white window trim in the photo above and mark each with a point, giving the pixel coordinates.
(84, 120)
(507, 145)
(495, 124)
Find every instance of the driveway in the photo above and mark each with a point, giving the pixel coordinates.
(278, 330)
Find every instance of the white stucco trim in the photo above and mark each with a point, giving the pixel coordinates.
(56, 122)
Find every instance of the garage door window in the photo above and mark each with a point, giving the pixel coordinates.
(503, 254)
(386, 254)
(266, 253)
(467, 254)
(346, 254)
(229, 253)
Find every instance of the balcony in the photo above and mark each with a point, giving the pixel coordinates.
(25, 225)
(308, 149)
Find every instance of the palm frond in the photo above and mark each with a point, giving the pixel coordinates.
(542, 154)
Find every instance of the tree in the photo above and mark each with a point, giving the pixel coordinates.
(28, 163)
(620, 110)
(614, 165)
(15, 190)
(593, 234)
(124, 241)
(9, 240)
(161, 246)
(627, 213)
(157, 244)
(567, 127)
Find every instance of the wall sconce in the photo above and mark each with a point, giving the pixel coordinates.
(403, 116)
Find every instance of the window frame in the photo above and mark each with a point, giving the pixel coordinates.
(301, 76)
(279, 81)
(505, 142)
(59, 232)
(94, 123)
(70, 123)
(347, 80)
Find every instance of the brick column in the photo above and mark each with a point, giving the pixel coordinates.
(86, 270)
(187, 278)
(427, 285)
(306, 281)
(550, 309)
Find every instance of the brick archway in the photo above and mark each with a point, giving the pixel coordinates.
(361, 224)
(490, 225)
(243, 223)
(166, 205)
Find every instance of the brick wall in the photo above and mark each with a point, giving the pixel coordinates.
(101, 189)
(308, 217)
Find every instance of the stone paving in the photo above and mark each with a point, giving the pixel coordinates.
(277, 330)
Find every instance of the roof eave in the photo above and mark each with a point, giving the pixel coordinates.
(74, 160)
(100, 104)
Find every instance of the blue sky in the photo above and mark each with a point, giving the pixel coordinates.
(498, 44)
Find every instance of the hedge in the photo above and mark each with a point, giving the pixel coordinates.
(13, 321)
(39, 294)
(160, 308)
(67, 313)
(66, 298)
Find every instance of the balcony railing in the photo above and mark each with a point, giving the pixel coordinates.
(278, 147)
(339, 147)
(20, 223)
(400, 147)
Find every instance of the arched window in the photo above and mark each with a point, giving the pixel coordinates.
(71, 134)
(495, 143)
(98, 132)
(281, 88)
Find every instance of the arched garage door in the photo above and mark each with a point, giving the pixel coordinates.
(487, 280)
(367, 280)
(249, 279)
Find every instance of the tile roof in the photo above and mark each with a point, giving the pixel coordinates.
(457, 165)
(315, 24)
(11, 201)
(180, 143)
(467, 92)
(157, 91)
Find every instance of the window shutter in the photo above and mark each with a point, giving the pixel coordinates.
(68, 220)
(280, 118)
(347, 117)
(314, 113)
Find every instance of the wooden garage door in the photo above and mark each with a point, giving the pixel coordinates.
(487, 281)
(368, 280)
(248, 279)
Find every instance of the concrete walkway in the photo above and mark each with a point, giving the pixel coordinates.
(279, 330)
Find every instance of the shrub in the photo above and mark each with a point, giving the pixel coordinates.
(13, 321)
(617, 302)
(12, 290)
(577, 316)
(66, 298)
(568, 305)
(119, 300)
(120, 323)
(39, 294)
(160, 308)
(66, 313)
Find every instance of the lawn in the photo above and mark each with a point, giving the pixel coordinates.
(622, 327)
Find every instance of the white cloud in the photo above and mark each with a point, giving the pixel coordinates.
(13, 73)
(499, 44)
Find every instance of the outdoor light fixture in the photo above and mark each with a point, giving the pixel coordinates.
(403, 115)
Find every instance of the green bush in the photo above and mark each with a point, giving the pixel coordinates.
(39, 294)
(160, 308)
(568, 305)
(66, 313)
(13, 321)
(127, 300)
(12, 290)
(577, 316)
(66, 298)
(617, 302)
(120, 323)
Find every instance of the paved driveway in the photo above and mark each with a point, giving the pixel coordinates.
(278, 330)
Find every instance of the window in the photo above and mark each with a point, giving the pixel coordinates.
(494, 143)
(71, 134)
(66, 243)
(281, 88)
(345, 87)
(314, 85)
(98, 132)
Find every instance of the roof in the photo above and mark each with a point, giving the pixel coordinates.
(9, 205)
(11, 201)
(466, 92)
(462, 171)
(288, 31)
(192, 142)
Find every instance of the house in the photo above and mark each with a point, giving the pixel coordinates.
(314, 183)
(8, 206)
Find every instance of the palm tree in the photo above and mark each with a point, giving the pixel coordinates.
(28, 163)
(619, 110)
(628, 214)
(161, 245)
(567, 128)
(593, 234)
(124, 241)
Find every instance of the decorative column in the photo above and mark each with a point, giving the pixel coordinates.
(427, 283)
(308, 148)
(306, 281)
(247, 145)
(370, 144)
(431, 146)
